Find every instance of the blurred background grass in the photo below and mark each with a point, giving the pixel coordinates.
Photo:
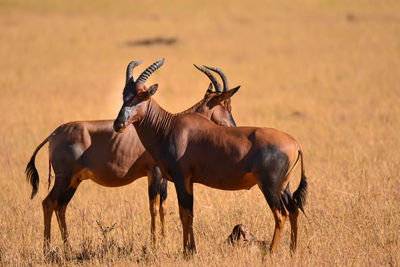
(324, 71)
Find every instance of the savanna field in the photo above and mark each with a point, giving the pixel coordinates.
(327, 72)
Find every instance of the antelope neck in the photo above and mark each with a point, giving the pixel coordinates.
(160, 120)
(156, 123)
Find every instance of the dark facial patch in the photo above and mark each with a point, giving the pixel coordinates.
(132, 100)
(129, 92)
(123, 116)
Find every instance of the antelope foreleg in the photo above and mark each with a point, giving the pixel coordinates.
(154, 179)
(163, 219)
(154, 210)
(187, 225)
(163, 206)
(185, 199)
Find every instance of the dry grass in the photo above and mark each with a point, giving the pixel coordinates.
(328, 72)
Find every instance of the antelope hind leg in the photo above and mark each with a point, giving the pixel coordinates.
(61, 208)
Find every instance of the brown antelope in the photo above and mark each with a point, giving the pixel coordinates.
(92, 150)
(190, 149)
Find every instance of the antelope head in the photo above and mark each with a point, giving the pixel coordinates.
(217, 104)
(135, 95)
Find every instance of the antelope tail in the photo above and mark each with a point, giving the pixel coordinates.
(300, 195)
(32, 175)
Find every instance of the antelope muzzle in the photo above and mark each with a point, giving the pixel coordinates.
(121, 122)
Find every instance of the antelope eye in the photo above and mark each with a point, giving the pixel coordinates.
(141, 95)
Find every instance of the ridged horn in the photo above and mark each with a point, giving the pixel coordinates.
(214, 81)
(146, 74)
(223, 77)
(129, 70)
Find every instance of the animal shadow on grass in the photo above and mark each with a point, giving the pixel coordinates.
(159, 40)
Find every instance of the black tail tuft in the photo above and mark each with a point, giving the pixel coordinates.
(300, 195)
(32, 176)
(288, 200)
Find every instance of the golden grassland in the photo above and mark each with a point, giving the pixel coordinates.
(325, 71)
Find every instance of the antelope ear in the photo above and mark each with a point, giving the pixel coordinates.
(225, 95)
(153, 89)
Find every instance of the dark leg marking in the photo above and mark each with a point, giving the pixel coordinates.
(163, 206)
(272, 165)
(154, 186)
(184, 198)
(163, 190)
(66, 198)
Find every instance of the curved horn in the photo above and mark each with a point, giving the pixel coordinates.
(129, 70)
(146, 74)
(223, 77)
(217, 86)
